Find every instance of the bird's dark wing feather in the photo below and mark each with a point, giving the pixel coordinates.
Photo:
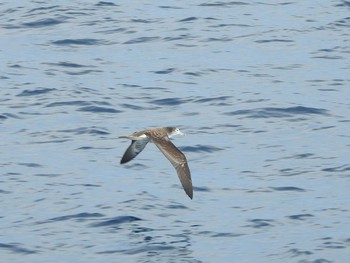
(133, 150)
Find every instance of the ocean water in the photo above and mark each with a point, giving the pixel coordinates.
(261, 89)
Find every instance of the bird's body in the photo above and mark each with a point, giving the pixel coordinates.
(161, 138)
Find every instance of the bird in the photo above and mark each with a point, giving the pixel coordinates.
(161, 138)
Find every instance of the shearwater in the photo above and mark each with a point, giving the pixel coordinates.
(161, 138)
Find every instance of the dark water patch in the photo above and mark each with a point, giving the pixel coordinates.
(82, 41)
(179, 37)
(169, 101)
(190, 113)
(337, 169)
(176, 206)
(324, 128)
(43, 8)
(213, 99)
(297, 252)
(79, 217)
(226, 235)
(330, 53)
(257, 190)
(43, 23)
(345, 22)
(4, 192)
(52, 141)
(86, 130)
(83, 72)
(85, 105)
(292, 172)
(116, 221)
(223, 126)
(165, 71)
(68, 103)
(273, 40)
(89, 185)
(102, 3)
(67, 65)
(132, 106)
(31, 165)
(287, 67)
(319, 260)
(260, 223)
(201, 148)
(195, 74)
(141, 40)
(5, 116)
(231, 25)
(136, 166)
(97, 109)
(85, 148)
(279, 112)
(49, 175)
(35, 92)
(152, 88)
(170, 7)
(149, 249)
(188, 19)
(143, 21)
(18, 66)
(201, 189)
(217, 39)
(344, 3)
(224, 4)
(112, 31)
(300, 216)
(288, 188)
(17, 248)
(142, 230)
(329, 57)
(334, 244)
(300, 156)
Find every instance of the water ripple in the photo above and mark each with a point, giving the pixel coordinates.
(169, 101)
(188, 19)
(43, 23)
(224, 4)
(79, 216)
(300, 216)
(201, 148)
(260, 223)
(153, 249)
(116, 221)
(66, 64)
(17, 248)
(141, 40)
(35, 92)
(279, 112)
(288, 188)
(103, 3)
(97, 109)
(87, 130)
(82, 41)
(342, 168)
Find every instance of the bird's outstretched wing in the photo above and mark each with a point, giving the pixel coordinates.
(133, 150)
(177, 159)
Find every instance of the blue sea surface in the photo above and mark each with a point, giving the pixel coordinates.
(261, 89)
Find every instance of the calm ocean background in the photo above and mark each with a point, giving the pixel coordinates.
(261, 89)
